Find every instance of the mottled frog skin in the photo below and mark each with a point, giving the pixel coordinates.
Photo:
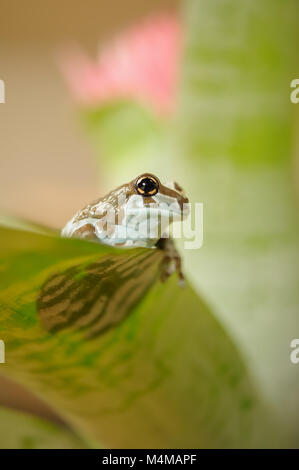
(136, 214)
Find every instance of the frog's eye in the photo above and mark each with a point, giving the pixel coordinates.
(147, 186)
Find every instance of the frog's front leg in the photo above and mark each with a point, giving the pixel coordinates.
(172, 260)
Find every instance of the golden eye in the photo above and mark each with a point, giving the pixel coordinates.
(147, 186)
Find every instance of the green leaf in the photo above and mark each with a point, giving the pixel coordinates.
(22, 431)
(237, 142)
(8, 220)
(232, 148)
(164, 374)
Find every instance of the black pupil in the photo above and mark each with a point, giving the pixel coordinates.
(147, 185)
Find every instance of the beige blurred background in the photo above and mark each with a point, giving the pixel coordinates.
(47, 170)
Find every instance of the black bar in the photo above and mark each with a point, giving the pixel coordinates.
(93, 458)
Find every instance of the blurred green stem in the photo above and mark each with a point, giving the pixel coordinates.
(237, 133)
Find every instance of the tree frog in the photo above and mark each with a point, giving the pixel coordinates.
(136, 214)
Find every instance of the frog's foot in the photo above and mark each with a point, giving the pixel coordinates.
(172, 261)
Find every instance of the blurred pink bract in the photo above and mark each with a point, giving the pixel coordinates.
(141, 64)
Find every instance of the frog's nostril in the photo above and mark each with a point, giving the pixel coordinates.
(178, 188)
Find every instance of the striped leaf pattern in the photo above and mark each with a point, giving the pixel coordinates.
(92, 297)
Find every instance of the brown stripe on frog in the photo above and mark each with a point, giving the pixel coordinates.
(87, 232)
(174, 194)
(148, 200)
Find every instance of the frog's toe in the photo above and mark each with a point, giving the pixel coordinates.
(167, 269)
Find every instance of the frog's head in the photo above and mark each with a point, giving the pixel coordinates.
(146, 191)
(122, 216)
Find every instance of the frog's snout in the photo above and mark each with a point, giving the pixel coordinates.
(181, 197)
